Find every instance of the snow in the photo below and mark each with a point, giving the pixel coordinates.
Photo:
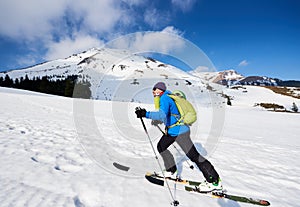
(58, 151)
(251, 95)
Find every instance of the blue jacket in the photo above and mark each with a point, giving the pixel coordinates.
(167, 107)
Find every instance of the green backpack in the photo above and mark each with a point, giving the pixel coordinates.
(188, 114)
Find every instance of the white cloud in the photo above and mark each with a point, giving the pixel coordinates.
(172, 30)
(201, 69)
(29, 19)
(184, 5)
(29, 59)
(243, 63)
(160, 41)
(61, 27)
(150, 17)
(69, 46)
(97, 16)
(35, 19)
(156, 18)
(64, 27)
(135, 2)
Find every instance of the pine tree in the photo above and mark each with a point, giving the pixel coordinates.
(16, 83)
(26, 83)
(69, 88)
(8, 82)
(43, 85)
(1, 81)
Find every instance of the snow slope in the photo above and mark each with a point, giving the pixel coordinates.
(251, 95)
(58, 151)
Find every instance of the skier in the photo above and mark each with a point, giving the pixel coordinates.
(177, 133)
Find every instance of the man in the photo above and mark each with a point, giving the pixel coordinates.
(168, 114)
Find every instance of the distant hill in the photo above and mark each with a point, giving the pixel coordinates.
(231, 77)
(289, 83)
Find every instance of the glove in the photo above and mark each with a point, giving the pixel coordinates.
(140, 113)
(156, 122)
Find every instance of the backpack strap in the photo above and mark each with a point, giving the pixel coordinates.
(179, 122)
(179, 116)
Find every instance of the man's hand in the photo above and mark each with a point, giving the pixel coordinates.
(140, 113)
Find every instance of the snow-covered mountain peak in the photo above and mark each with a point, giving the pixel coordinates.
(230, 75)
(107, 69)
(217, 77)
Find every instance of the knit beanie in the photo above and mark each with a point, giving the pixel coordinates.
(161, 86)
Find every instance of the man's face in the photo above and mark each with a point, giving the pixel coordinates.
(156, 92)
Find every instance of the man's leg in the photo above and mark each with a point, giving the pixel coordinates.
(191, 152)
(162, 147)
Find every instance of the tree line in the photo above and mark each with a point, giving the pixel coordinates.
(46, 84)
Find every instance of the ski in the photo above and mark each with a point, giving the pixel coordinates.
(220, 194)
(159, 180)
(192, 186)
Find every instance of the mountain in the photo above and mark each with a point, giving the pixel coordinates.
(222, 77)
(231, 77)
(258, 80)
(106, 72)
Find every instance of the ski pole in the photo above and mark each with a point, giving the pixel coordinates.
(191, 166)
(175, 202)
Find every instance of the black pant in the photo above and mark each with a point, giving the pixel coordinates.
(186, 144)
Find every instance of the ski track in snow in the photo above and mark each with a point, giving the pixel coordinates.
(44, 164)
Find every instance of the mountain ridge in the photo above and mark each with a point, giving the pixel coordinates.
(231, 77)
(104, 71)
(107, 71)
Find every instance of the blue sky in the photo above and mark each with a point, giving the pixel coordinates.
(254, 37)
